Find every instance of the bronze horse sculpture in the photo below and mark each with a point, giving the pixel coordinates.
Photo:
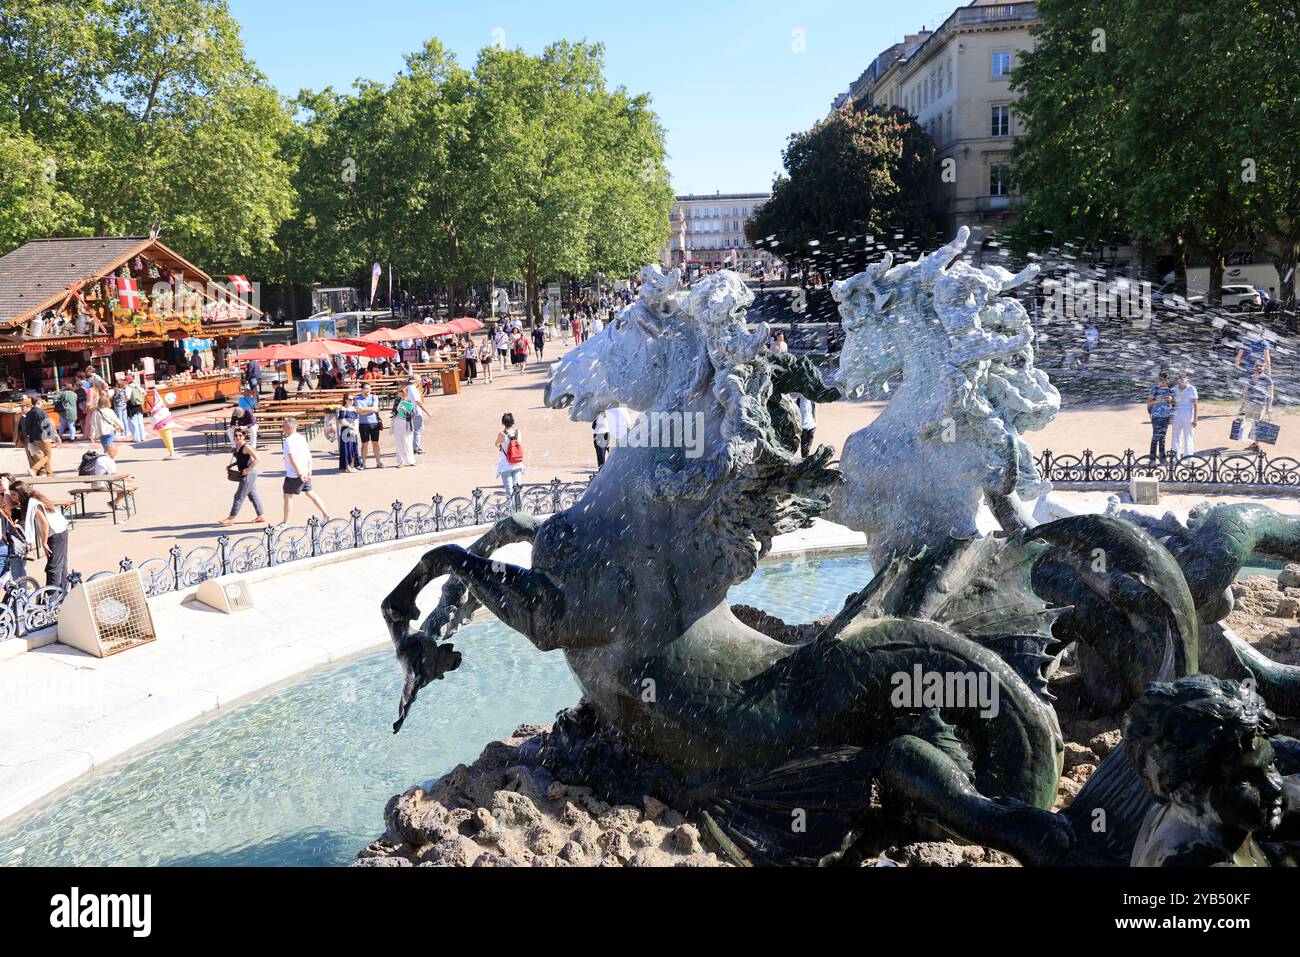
(631, 583)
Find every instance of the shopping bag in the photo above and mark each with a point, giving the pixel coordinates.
(1235, 433)
(1265, 432)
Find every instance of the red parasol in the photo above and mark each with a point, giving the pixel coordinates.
(465, 324)
(321, 349)
(383, 335)
(271, 353)
(371, 350)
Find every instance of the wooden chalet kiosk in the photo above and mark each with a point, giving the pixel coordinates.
(120, 304)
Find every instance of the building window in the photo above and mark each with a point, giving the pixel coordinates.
(1001, 120)
(950, 131)
(1000, 180)
(1001, 63)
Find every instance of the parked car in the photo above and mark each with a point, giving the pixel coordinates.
(1242, 298)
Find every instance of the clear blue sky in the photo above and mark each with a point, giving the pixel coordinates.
(724, 76)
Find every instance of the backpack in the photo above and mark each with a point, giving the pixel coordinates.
(514, 450)
(88, 460)
(119, 397)
(15, 539)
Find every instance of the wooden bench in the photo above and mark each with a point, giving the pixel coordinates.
(128, 502)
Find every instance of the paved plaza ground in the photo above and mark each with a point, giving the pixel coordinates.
(181, 501)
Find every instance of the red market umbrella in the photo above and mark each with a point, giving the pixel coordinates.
(272, 353)
(371, 350)
(465, 324)
(439, 329)
(383, 335)
(321, 349)
(413, 330)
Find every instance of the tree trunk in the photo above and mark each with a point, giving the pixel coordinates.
(1214, 295)
(1180, 266)
(1285, 264)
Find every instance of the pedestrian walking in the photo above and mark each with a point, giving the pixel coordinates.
(349, 436)
(35, 433)
(1256, 400)
(243, 469)
(163, 422)
(120, 396)
(415, 396)
(1186, 415)
(135, 409)
(1160, 404)
(510, 463)
(501, 341)
(519, 352)
(297, 468)
(106, 424)
(539, 341)
(485, 360)
(807, 422)
(65, 403)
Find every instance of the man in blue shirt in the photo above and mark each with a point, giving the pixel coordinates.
(368, 425)
(1160, 403)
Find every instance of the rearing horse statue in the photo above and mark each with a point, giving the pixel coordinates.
(631, 585)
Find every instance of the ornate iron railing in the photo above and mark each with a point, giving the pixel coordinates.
(26, 609)
(1213, 468)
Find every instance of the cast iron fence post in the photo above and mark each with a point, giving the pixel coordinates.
(175, 552)
(437, 513)
(478, 506)
(313, 536)
(356, 527)
(397, 520)
(222, 542)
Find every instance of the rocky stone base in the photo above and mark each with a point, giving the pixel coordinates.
(1265, 613)
(505, 810)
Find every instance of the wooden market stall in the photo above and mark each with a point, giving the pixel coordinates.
(118, 304)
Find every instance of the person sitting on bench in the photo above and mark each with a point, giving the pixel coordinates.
(106, 464)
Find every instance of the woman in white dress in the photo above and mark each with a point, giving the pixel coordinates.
(510, 463)
(404, 432)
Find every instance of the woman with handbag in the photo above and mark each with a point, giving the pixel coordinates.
(404, 432)
(243, 469)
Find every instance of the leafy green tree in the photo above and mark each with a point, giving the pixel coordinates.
(573, 173)
(861, 171)
(31, 203)
(155, 117)
(1152, 118)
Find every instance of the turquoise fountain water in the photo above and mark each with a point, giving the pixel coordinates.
(300, 775)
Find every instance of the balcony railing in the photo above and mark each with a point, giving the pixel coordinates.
(997, 13)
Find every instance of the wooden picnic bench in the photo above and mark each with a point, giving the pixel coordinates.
(114, 485)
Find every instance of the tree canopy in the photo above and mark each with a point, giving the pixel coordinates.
(861, 171)
(1158, 119)
(118, 116)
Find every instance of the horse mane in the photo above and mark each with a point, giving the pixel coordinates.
(753, 486)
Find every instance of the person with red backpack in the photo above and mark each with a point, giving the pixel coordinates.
(510, 464)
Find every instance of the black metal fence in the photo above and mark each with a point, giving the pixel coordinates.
(1212, 468)
(27, 609)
